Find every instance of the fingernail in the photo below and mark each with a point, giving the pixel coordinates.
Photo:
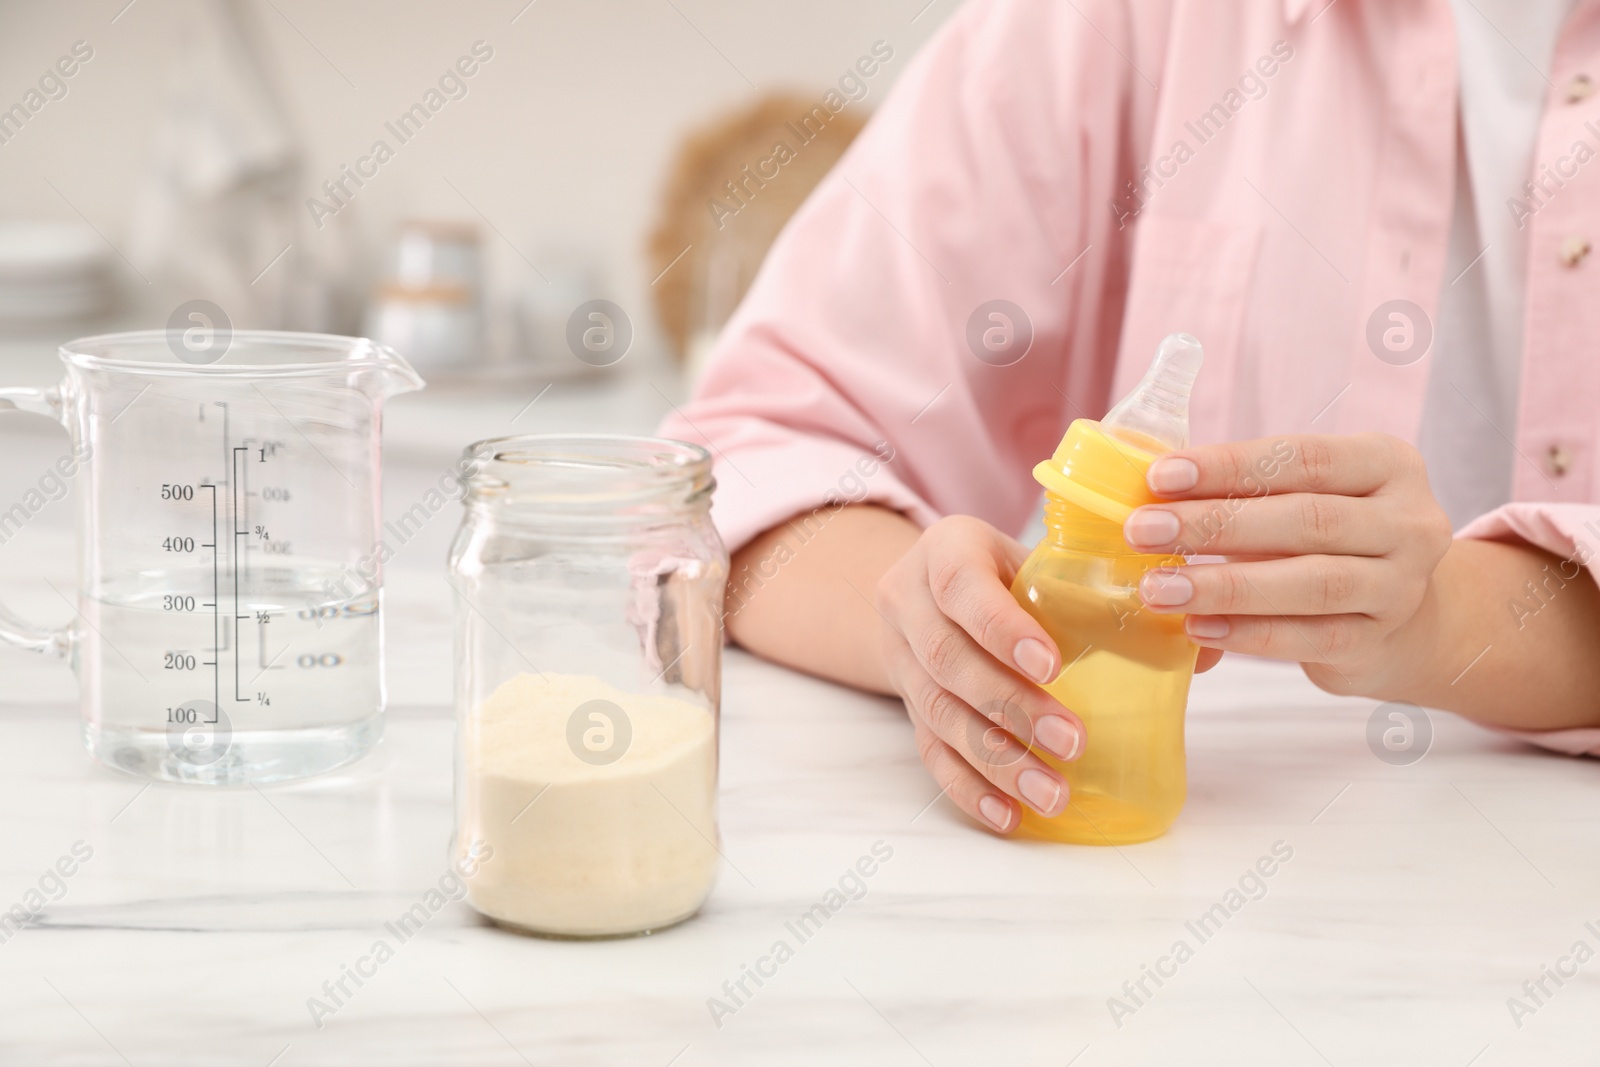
(1058, 737)
(1044, 792)
(1034, 660)
(1208, 627)
(997, 811)
(1151, 527)
(1172, 475)
(1165, 589)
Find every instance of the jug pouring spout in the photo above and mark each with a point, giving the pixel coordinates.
(385, 372)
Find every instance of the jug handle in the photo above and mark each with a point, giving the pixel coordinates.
(15, 630)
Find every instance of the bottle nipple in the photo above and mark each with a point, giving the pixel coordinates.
(1155, 416)
(1100, 466)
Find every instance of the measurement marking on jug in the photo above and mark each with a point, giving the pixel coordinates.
(268, 663)
(238, 565)
(182, 602)
(215, 663)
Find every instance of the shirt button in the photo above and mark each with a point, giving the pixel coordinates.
(1560, 460)
(1579, 87)
(1573, 249)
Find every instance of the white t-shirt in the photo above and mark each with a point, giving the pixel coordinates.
(1470, 417)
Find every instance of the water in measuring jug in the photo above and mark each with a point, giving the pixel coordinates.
(199, 677)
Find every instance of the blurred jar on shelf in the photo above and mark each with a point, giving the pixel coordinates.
(429, 305)
(542, 313)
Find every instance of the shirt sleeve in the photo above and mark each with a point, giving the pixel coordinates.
(1571, 531)
(950, 295)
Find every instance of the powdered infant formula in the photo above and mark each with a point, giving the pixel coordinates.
(587, 842)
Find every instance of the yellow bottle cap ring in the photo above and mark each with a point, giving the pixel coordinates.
(1098, 472)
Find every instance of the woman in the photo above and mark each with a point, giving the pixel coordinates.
(1388, 266)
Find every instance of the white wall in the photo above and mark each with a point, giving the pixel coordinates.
(562, 140)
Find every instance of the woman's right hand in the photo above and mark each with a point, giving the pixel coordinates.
(968, 660)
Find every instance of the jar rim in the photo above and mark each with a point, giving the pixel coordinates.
(588, 472)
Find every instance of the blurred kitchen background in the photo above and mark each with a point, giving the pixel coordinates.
(541, 212)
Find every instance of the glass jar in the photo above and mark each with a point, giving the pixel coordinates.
(589, 587)
(1125, 673)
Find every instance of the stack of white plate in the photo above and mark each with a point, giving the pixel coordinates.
(51, 271)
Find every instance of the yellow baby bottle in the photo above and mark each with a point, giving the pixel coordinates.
(1125, 669)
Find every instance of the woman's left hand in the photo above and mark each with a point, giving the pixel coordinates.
(1331, 545)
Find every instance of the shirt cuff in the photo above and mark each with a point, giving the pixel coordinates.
(1571, 531)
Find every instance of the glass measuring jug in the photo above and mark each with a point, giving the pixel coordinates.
(229, 626)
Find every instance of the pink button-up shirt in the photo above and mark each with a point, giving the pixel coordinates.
(1265, 176)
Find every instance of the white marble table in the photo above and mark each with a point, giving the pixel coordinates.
(1418, 899)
